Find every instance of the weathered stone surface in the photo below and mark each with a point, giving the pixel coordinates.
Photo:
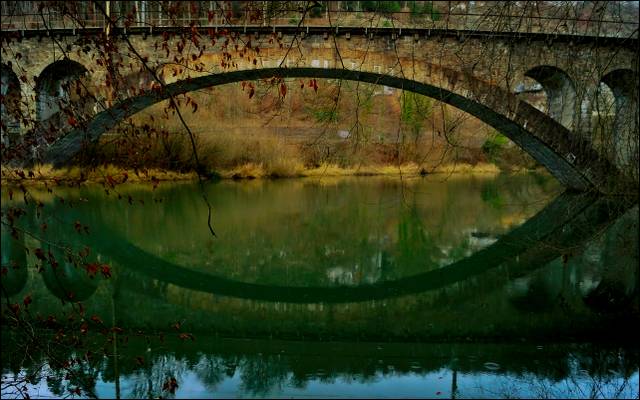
(478, 75)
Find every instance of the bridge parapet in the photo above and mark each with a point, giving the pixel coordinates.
(444, 15)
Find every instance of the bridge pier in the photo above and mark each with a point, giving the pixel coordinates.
(624, 85)
(560, 91)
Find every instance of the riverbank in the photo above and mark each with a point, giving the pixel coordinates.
(113, 175)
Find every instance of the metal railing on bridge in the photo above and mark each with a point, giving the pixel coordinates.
(445, 15)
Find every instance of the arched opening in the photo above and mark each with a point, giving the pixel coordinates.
(560, 91)
(495, 107)
(10, 97)
(59, 93)
(14, 261)
(622, 137)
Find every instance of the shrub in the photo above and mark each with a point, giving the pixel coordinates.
(493, 146)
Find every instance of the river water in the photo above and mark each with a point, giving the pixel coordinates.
(470, 286)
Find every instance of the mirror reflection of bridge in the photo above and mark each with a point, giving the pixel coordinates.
(486, 74)
(522, 267)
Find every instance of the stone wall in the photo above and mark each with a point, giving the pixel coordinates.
(570, 71)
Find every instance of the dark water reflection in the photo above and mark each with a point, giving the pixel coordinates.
(378, 264)
(222, 367)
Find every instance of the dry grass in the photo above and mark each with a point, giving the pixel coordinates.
(278, 168)
(480, 168)
(100, 174)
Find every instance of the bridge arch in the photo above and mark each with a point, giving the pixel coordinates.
(9, 105)
(544, 139)
(624, 87)
(54, 92)
(560, 91)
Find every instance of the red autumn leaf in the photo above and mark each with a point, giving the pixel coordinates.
(15, 308)
(170, 385)
(72, 121)
(106, 270)
(84, 252)
(110, 181)
(92, 269)
(51, 321)
(283, 89)
(39, 253)
(185, 336)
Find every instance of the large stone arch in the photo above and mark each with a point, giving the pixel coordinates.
(54, 93)
(576, 166)
(10, 97)
(624, 86)
(560, 91)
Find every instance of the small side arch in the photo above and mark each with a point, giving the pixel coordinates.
(10, 97)
(53, 86)
(560, 91)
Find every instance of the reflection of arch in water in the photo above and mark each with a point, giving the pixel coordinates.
(564, 222)
(68, 282)
(618, 285)
(543, 138)
(66, 275)
(14, 262)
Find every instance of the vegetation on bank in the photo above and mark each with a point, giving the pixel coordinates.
(111, 174)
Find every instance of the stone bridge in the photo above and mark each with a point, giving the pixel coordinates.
(486, 74)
